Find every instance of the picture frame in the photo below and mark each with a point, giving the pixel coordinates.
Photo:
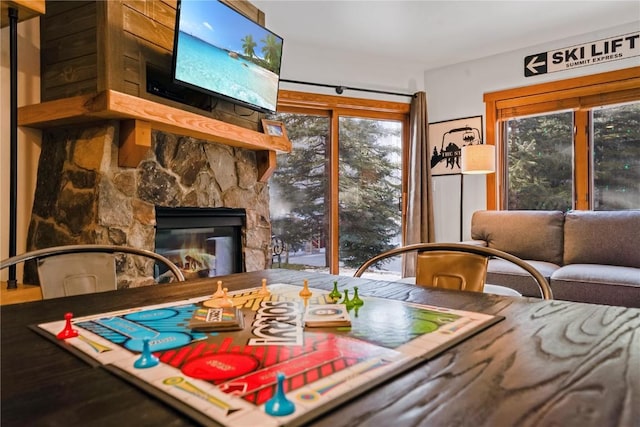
(446, 139)
(274, 128)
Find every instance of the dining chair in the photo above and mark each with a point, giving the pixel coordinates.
(457, 266)
(80, 269)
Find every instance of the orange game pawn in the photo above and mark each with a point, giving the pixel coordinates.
(263, 290)
(305, 292)
(223, 301)
(219, 292)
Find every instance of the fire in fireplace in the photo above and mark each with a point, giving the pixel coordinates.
(202, 242)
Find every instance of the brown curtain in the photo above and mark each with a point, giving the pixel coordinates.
(419, 223)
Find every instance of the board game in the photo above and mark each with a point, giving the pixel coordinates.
(234, 377)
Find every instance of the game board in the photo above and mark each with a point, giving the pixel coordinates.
(227, 377)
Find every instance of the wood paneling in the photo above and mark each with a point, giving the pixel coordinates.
(71, 46)
(70, 72)
(69, 54)
(145, 28)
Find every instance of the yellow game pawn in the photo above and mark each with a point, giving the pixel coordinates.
(305, 292)
(219, 292)
(263, 290)
(225, 301)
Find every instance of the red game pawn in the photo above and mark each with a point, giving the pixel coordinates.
(68, 331)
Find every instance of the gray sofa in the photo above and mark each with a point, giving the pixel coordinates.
(587, 256)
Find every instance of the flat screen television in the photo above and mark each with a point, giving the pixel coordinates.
(219, 51)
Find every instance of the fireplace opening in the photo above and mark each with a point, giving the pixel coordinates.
(202, 242)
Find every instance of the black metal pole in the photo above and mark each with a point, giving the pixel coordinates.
(12, 283)
(461, 205)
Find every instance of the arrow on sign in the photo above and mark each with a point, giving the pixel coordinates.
(535, 64)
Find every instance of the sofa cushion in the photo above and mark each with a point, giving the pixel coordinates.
(602, 237)
(504, 273)
(599, 284)
(531, 235)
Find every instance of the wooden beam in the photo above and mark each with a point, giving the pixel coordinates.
(135, 141)
(266, 163)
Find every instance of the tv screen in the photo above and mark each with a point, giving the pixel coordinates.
(221, 52)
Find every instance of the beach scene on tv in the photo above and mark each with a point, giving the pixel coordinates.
(224, 52)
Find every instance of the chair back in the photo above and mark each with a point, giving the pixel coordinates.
(451, 270)
(453, 277)
(75, 274)
(79, 269)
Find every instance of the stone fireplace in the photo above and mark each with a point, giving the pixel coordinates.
(83, 196)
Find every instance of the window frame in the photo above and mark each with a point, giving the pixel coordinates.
(334, 107)
(579, 94)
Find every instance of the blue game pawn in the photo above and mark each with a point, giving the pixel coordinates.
(147, 359)
(279, 405)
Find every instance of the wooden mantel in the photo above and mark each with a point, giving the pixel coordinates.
(139, 116)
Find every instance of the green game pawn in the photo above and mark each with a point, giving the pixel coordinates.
(355, 310)
(335, 294)
(356, 300)
(346, 301)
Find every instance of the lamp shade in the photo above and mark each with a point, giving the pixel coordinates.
(478, 159)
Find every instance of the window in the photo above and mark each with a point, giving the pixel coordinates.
(539, 161)
(336, 198)
(572, 144)
(616, 156)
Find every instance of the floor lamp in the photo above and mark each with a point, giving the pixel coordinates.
(476, 159)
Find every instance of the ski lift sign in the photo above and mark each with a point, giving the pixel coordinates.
(446, 140)
(598, 52)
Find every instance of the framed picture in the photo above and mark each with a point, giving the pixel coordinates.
(446, 140)
(273, 128)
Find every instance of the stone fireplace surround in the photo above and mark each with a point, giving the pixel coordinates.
(82, 196)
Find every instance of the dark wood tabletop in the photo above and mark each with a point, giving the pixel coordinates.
(548, 363)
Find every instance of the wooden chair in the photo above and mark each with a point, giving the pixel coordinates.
(80, 269)
(455, 265)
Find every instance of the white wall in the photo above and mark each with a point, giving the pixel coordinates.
(457, 91)
(28, 140)
(347, 69)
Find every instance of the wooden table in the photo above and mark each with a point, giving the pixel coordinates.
(548, 363)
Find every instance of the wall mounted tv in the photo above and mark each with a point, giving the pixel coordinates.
(219, 51)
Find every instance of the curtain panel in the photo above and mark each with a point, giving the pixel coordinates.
(419, 223)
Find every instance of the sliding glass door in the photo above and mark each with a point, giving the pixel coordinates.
(336, 199)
